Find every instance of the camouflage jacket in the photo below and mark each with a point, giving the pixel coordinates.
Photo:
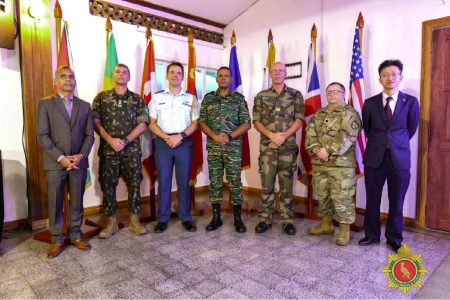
(119, 114)
(336, 130)
(277, 113)
(223, 114)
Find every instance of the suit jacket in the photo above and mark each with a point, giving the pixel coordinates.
(395, 134)
(58, 135)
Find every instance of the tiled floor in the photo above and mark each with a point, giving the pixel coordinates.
(219, 264)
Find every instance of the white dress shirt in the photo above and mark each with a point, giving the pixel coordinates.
(174, 114)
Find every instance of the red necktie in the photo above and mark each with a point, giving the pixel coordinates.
(387, 109)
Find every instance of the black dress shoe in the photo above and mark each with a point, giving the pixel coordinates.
(366, 241)
(189, 226)
(262, 227)
(394, 245)
(289, 229)
(160, 227)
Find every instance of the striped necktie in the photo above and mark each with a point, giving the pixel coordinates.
(387, 109)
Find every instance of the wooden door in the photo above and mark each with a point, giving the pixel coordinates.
(437, 213)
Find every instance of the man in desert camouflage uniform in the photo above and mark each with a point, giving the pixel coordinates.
(277, 115)
(224, 118)
(330, 140)
(120, 116)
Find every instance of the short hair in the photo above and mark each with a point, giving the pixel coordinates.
(224, 68)
(62, 68)
(122, 66)
(336, 83)
(175, 63)
(389, 63)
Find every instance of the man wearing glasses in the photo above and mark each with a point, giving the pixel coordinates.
(277, 115)
(390, 120)
(330, 140)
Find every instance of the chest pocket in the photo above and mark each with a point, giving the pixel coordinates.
(185, 107)
(287, 108)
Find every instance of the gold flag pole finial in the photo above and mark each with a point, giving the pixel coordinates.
(57, 13)
(148, 32)
(360, 25)
(314, 37)
(233, 38)
(108, 28)
(190, 36)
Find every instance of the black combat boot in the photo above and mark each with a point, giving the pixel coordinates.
(238, 224)
(216, 221)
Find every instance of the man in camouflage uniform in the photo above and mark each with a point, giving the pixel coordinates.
(277, 115)
(224, 118)
(120, 116)
(330, 140)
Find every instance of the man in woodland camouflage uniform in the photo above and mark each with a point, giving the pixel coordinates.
(120, 116)
(224, 118)
(277, 115)
(330, 140)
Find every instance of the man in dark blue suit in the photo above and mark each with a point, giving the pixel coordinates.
(390, 120)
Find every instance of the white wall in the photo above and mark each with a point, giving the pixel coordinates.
(87, 39)
(13, 157)
(392, 30)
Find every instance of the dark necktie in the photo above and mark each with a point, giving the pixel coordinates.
(68, 105)
(387, 109)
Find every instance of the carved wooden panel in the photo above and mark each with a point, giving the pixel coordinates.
(135, 17)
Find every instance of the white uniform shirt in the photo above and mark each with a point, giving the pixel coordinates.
(392, 103)
(174, 114)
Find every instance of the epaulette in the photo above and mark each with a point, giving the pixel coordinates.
(237, 93)
(159, 91)
(211, 93)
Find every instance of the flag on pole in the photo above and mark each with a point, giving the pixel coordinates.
(148, 89)
(197, 155)
(313, 103)
(357, 96)
(110, 63)
(65, 59)
(236, 86)
(270, 60)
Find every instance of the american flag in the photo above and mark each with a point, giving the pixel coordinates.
(357, 96)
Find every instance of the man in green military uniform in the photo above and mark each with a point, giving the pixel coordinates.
(120, 116)
(224, 118)
(277, 115)
(330, 140)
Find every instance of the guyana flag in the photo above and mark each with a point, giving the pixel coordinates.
(110, 63)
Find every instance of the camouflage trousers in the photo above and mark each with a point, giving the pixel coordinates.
(111, 167)
(271, 164)
(230, 160)
(335, 188)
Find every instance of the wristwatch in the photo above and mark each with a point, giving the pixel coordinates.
(126, 141)
(230, 138)
(183, 135)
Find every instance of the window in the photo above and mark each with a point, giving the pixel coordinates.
(205, 78)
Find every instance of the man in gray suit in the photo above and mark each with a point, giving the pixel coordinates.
(65, 132)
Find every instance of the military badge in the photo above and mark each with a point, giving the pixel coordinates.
(404, 270)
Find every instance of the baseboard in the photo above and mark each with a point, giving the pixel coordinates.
(16, 224)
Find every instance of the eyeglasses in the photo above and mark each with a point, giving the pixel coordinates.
(392, 75)
(329, 93)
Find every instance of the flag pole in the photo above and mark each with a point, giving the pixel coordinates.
(190, 44)
(358, 226)
(310, 208)
(148, 36)
(57, 13)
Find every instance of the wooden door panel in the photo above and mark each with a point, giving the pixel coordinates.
(437, 213)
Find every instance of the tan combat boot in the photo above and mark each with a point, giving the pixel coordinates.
(325, 226)
(110, 228)
(135, 226)
(343, 236)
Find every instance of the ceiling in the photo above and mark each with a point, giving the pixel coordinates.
(219, 11)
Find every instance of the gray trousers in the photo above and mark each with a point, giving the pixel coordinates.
(57, 180)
